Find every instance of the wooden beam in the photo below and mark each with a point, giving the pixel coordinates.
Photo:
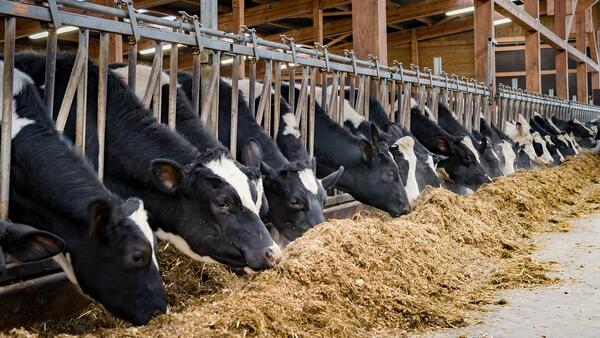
(337, 40)
(561, 57)
(582, 84)
(426, 33)
(344, 13)
(237, 15)
(426, 21)
(483, 24)
(533, 79)
(523, 73)
(414, 47)
(317, 22)
(583, 5)
(369, 29)
(395, 14)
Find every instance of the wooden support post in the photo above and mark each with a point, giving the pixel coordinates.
(414, 47)
(115, 48)
(238, 21)
(561, 58)
(369, 29)
(483, 26)
(317, 21)
(582, 85)
(532, 51)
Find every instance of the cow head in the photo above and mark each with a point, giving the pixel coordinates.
(114, 262)
(296, 198)
(461, 165)
(489, 159)
(374, 178)
(27, 244)
(213, 215)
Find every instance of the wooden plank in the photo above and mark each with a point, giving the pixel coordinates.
(414, 47)
(483, 25)
(583, 5)
(561, 58)
(238, 20)
(317, 22)
(533, 79)
(582, 85)
(523, 73)
(369, 29)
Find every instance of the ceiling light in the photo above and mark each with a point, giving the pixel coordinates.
(461, 11)
(61, 30)
(152, 50)
(502, 21)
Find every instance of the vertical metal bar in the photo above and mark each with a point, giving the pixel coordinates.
(102, 91)
(367, 80)
(235, 76)
(304, 102)
(80, 121)
(333, 97)
(406, 108)
(341, 99)
(268, 108)
(311, 113)
(7, 109)
(264, 102)
(49, 79)
(132, 62)
(215, 101)
(197, 60)
(173, 65)
(292, 83)
(252, 86)
(324, 92)
(353, 91)
(393, 102)
(157, 97)
(277, 99)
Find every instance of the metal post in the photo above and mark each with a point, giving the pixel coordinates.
(132, 62)
(80, 121)
(102, 91)
(51, 47)
(235, 75)
(173, 61)
(7, 109)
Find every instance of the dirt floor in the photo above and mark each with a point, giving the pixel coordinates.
(568, 309)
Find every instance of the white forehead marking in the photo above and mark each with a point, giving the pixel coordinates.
(583, 125)
(140, 218)
(546, 158)
(509, 158)
(64, 261)
(548, 139)
(406, 147)
(142, 77)
(307, 177)
(291, 125)
(228, 171)
(260, 192)
(466, 140)
(20, 81)
(549, 120)
(561, 158)
(182, 246)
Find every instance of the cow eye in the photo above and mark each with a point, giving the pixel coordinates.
(295, 203)
(222, 204)
(139, 258)
(389, 176)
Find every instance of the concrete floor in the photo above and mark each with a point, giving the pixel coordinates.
(569, 309)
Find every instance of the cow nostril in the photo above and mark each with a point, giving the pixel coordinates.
(273, 255)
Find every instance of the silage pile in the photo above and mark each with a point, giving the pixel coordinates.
(376, 275)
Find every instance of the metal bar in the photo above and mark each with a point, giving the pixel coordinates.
(301, 103)
(367, 93)
(7, 110)
(333, 96)
(65, 107)
(132, 65)
(264, 97)
(157, 95)
(235, 76)
(252, 86)
(102, 91)
(304, 104)
(341, 99)
(292, 82)
(49, 79)
(152, 79)
(197, 64)
(311, 113)
(173, 65)
(214, 121)
(80, 121)
(277, 100)
(360, 95)
(206, 104)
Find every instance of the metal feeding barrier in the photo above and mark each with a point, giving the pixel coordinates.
(394, 86)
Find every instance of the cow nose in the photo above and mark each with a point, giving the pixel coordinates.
(273, 255)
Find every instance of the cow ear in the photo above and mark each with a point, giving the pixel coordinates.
(168, 175)
(366, 150)
(252, 154)
(442, 145)
(375, 134)
(331, 179)
(269, 173)
(519, 128)
(28, 244)
(395, 131)
(483, 145)
(100, 211)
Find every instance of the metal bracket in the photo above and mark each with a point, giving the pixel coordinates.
(54, 14)
(195, 21)
(132, 16)
(374, 59)
(351, 54)
(416, 69)
(446, 79)
(428, 71)
(292, 44)
(400, 69)
(252, 33)
(325, 51)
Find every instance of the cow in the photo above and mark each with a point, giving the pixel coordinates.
(523, 161)
(110, 249)
(370, 174)
(507, 151)
(484, 154)
(534, 145)
(563, 145)
(202, 203)
(24, 243)
(460, 171)
(578, 131)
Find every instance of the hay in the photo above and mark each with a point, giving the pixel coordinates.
(373, 275)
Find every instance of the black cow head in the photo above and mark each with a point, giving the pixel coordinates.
(374, 178)
(27, 244)
(489, 158)
(523, 160)
(296, 198)
(115, 262)
(580, 130)
(461, 166)
(214, 214)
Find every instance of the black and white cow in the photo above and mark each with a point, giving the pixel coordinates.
(110, 249)
(22, 243)
(534, 144)
(460, 171)
(507, 151)
(484, 154)
(370, 174)
(522, 161)
(583, 135)
(563, 145)
(200, 202)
